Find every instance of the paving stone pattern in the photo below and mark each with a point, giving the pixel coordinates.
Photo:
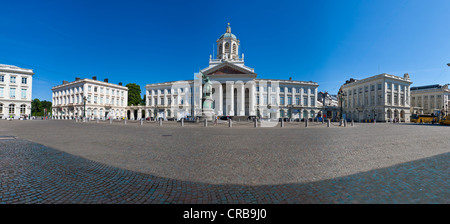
(37, 173)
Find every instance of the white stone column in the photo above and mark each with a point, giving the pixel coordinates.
(301, 97)
(240, 99)
(230, 98)
(251, 98)
(219, 104)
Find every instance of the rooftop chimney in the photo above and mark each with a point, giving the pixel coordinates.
(65, 82)
(77, 79)
(94, 77)
(290, 78)
(120, 83)
(105, 80)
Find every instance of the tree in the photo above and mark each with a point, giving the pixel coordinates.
(134, 94)
(38, 107)
(143, 101)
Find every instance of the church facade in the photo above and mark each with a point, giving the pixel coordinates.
(236, 91)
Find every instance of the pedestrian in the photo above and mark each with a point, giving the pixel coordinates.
(216, 118)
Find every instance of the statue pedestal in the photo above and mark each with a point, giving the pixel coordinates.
(207, 111)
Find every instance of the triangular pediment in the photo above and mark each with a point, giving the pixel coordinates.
(227, 68)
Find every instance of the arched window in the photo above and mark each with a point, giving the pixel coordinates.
(234, 49)
(23, 108)
(227, 47)
(220, 48)
(1, 108)
(11, 108)
(313, 113)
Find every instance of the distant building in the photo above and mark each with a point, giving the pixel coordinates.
(329, 104)
(103, 99)
(15, 91)
(382, 97)
(236, 91)
(430, 99)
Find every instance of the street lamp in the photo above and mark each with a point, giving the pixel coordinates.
(341, 97)
(84, 111)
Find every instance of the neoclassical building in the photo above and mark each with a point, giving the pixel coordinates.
(382, 97)
(90, 97)
(15, 91)
(430, 99)
(236, 91)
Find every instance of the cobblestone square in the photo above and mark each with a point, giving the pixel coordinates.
(62, 161)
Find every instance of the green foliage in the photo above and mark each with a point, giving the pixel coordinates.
(143, 100)
(38, 107)
(134, 94)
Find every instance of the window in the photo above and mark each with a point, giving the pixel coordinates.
(89, 99)
(13, 79)
(305, 101)
(289, 89)
(289, 100)
(281, 89)
(169, 101)
(24, 93)
(89, 88)
(24, 80)
(265, 99)
(395, 87)
(2, 78)
(11, 108)
(1, 108)
(297, 90)
(372, 88)
(227, 47)
(257, 100)
(379, 86)
(95, 89)
(1, 92)
(12, 92)
(257, 89)
(162, 101)
(297, 100)
(22, 108)
(168, 92)
(274, 100)
(95, 99)
(305, 90)
(101, 90)
(389, 85)
(281, 100)
(101, 100)
(312, 102)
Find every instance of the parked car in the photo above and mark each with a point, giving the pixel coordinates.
(226, 118)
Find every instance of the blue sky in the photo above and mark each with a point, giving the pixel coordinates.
(147, 42)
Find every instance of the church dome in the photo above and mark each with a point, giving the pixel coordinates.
(228, 34)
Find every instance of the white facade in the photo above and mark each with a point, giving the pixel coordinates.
(236, 90)
(90, 97)
(430, 99)
(15, 91)
(382, 97)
